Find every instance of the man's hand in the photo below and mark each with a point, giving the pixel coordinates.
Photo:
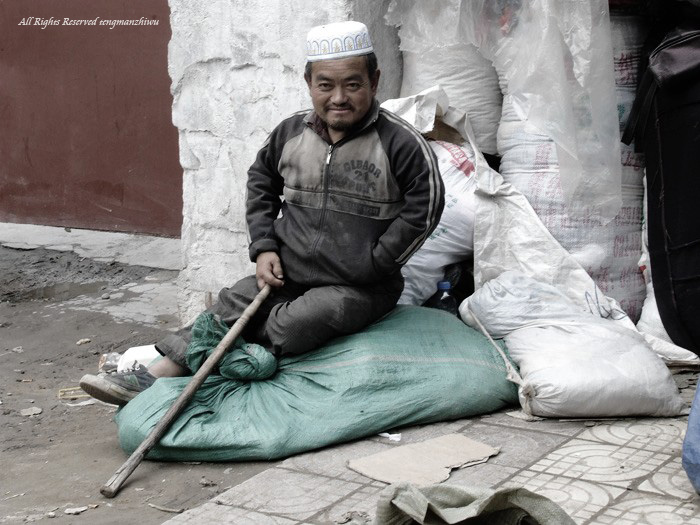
(268, 270)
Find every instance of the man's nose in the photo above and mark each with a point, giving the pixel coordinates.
(339, 96)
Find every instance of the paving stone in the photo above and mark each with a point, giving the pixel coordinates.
(580, 499)
(670, 480)
(554, 426)
(287, 493)
(486, 474)
(642, 509)
(211, 513)
(359, 507)
(519, 448)
(662, 435)
(601, 462)
(687, 395)
(686, 380)
(418, 433)
(332, 462)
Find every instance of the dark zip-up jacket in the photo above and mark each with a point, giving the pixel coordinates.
(353, 212)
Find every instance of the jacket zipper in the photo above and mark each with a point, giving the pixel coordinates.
(326, 183)
(322, 218)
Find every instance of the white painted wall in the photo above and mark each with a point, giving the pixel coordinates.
(237, 70)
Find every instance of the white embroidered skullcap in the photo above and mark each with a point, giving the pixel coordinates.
(338, 40)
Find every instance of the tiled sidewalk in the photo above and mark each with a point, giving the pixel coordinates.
(601, 472)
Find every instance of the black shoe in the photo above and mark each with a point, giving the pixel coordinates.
(118, 388)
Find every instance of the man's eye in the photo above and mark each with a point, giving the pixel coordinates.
(324, 86)
(354, 86)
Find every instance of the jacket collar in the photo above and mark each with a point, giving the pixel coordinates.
(320, 128)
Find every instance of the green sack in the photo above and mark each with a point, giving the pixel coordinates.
(416, 365)
(442, 504)
(243, 361)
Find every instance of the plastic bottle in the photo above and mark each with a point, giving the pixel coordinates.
(446, 300)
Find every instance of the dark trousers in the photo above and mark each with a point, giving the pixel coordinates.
(295, 319)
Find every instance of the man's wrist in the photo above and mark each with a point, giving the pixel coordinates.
(262, 246)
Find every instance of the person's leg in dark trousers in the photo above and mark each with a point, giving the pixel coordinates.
(293, 320)
(325, 312)
(119, 388)
(229, 308)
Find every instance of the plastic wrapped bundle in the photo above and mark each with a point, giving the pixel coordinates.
(435, 52)
(555, 61)
(628, 35)
(468, 79)
(609, 250)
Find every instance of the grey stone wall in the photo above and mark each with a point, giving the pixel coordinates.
(237, 70)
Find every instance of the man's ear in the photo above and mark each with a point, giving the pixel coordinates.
(308, 71)
(374, 82)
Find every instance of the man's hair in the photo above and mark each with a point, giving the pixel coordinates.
(370, 58)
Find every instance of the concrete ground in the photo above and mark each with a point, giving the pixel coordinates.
(624, 471)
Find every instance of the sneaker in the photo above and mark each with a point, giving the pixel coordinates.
(118, 388)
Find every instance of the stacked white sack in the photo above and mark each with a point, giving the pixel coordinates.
(435, 52)
(469, 80)
(453, 239)
(628, 35)
(509, 236)
(572, 363)
(609, 252)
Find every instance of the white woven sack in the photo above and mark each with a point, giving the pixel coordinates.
(628, 36)
(572, 363)
(436, 52)
(609, 252)
(469, 80)
(453, 239)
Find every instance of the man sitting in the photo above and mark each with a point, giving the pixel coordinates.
(361, 192)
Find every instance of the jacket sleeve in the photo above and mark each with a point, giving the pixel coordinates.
(416, 170)
(263, 202)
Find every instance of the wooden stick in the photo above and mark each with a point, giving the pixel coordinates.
(112, 487)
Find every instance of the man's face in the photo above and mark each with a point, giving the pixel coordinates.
(341, 92)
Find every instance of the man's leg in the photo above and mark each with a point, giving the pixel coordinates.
(229, 308)
(120, 388)
(325, 312)
(293, 320)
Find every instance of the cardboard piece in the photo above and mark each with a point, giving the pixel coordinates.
(423, 463)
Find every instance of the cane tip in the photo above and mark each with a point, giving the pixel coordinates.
(108, 491)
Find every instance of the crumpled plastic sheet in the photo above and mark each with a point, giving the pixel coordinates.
(556, 61)
(420, 110)
(426, 24)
